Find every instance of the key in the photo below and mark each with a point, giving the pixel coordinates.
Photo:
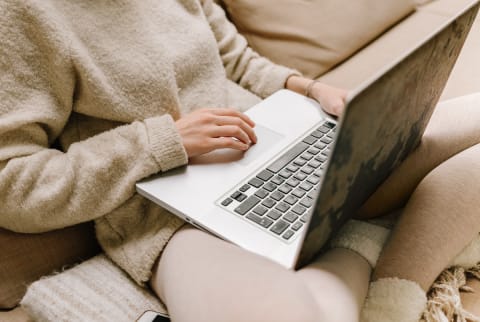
(287, 157)
(265, 175)
(279, 227)
(248, 204)
(288, 235)
(264, 222)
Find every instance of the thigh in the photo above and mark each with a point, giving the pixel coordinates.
(454, 127)
(202, 278)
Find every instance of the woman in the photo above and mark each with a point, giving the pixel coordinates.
(131, 88)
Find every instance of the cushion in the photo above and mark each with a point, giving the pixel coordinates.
(27, 257)
(313, 36)
(389, 47)
(16, 315)
(422, 2)
(95, 290)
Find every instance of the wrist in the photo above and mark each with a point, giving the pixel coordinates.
(301, 85)
(309, 88)
(297, 84)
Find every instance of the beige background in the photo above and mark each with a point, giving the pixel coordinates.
(465, 77)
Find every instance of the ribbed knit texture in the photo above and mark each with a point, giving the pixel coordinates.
(394, 300)
(165, 142)
(107, 80)
(97, 291)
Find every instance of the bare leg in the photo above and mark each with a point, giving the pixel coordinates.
(453, 128)
(440, 219)
(344, 275)
(202, 278)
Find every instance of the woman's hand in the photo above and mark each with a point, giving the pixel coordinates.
(332, 99)
(205, 130)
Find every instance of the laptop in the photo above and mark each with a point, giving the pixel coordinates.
(308, 172)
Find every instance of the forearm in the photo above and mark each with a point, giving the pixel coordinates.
(50, 189)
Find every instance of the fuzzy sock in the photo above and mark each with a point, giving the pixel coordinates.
(362, 237)
(394, 300)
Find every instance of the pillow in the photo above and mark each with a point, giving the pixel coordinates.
(312, 36)
(25, 258)
(422, 2)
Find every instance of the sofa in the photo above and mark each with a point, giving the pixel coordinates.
(355, 47)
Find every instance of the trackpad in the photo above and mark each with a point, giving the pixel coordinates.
(266, 139)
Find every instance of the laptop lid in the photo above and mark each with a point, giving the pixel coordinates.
(384, 121)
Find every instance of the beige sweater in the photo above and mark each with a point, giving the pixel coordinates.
(106, 80)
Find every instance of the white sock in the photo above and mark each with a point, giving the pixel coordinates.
(363, 238)
(394, 300)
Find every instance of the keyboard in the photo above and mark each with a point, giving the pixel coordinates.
(277, 198)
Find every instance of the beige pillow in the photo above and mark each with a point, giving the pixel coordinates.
(422, 2)
(313, 35)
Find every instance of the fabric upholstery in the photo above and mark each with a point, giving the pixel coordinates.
(404, 36)
(385, 50)
(16, 315)
(313, 36)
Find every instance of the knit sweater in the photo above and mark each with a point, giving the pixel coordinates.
(104, 81)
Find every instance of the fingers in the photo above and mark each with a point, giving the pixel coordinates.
(231, 131)
(228, 142)
(335, 106)
(234, 113)
(205, 130)
(237, 126)
(331, 99)
(232, 123)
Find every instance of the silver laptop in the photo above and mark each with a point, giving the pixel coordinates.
(308, 173)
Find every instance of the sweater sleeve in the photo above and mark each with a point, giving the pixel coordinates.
(42, 188)
(242, 64)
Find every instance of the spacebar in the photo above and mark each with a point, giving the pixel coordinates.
(288, 157)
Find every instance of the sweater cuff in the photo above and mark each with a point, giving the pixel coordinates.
(165, 142)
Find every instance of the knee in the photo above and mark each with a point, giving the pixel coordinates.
(459, 173)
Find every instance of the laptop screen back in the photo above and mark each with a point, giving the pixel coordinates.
(382, 124)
